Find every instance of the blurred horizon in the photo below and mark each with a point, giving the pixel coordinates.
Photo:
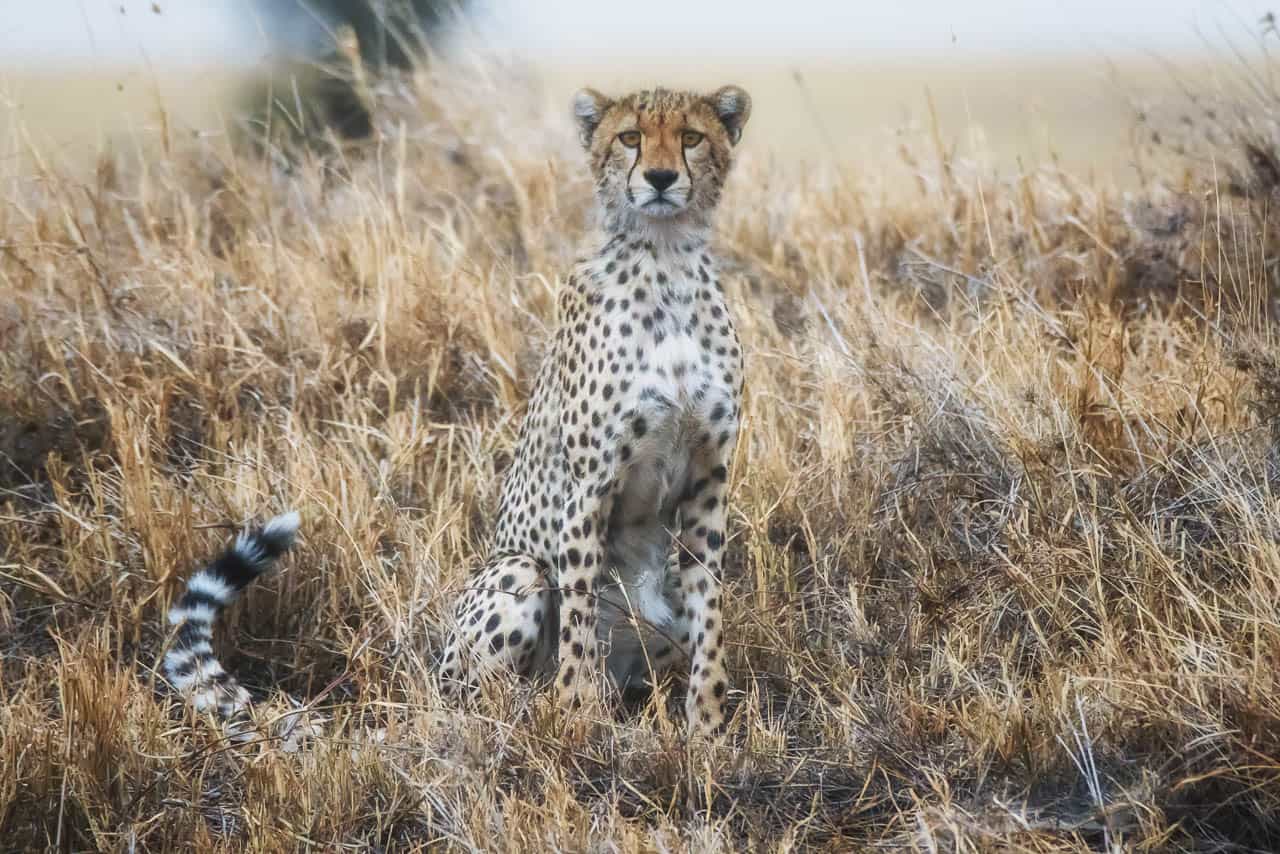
(1010, 84)
(59, 33)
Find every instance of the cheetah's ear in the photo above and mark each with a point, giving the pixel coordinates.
(733, 105)
(588, 110)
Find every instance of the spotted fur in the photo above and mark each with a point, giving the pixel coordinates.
(190, 664)
(612, 525)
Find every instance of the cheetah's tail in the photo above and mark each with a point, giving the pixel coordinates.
(190, 665)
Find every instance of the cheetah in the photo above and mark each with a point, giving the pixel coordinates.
(610, 533)
(611, 526)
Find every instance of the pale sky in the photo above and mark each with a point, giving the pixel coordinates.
(45, 31)
(811, 29)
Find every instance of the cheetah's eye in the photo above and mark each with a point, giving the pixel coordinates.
(629, 138)
(690, 138)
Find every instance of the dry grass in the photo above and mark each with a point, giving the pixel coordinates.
(1004, 569)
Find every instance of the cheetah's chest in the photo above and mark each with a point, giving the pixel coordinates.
(671, 409)
(676, 382)
(680, 402)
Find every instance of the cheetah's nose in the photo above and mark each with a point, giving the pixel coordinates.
(660, 179)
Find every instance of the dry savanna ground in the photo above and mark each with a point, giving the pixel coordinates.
(1005, 557)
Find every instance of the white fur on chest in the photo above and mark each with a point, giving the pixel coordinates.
(676, 368)
(674, 371)
(674, 385)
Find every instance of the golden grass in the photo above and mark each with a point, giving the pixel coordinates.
(1004, 570)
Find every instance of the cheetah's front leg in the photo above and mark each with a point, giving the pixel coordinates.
(582, 551)
(703, 513)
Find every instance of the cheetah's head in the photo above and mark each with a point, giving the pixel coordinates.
(659, 157)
